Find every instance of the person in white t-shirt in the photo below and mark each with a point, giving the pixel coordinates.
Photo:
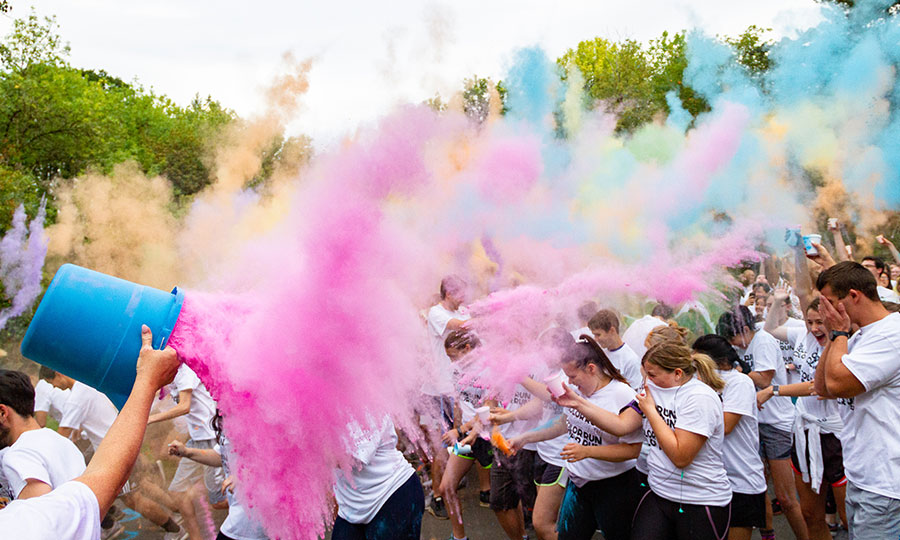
(238, 525)
(90, 411)
(466, 446)
(49, 401)
(780, 303)
(198, 408)
(602, 484)
(863, 371)
(604, 326)
(584, 314)
(635, 336)
(72, 511)
(442, 318)
(761, 352)
(382, 497)
(743, 464)
(36, 459)
(817, 452)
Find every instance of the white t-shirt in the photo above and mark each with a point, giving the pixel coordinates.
(741, 450)
(887, 295)
(50, 399)
(583, 331)
(469, 396)
(628, 363)
(69, 512)
(513, 429)
(787, 349)
(90, 411)
(379, 471)
(550, 450)
(611, 397)
(697, 408)
(871, 439)
(764, 354)
(41, 454)
(203, 408)
(440, 383)
(807, 352)
(238, 524)
(637, 333)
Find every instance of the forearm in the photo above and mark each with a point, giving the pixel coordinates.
(180, 409)
(614, 424)
(800, 389)
(204, 456)
(112, 462)
(836, 372)
(558, 428)
(819, 377)
(839, 245)
(803, 287)
(894, 253)
(538, 390)
(614, 452)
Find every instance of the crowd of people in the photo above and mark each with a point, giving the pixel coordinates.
(659, 430)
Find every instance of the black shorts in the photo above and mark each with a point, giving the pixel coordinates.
(511, 480)
(657, 517)
(748, 510)
(482, 451)
(832, 459)
(546, 474)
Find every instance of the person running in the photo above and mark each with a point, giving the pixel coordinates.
(816, 453)
(442, 318)
(602, 484)
(382, 497)
(238, 524)
(197, 406)
(465, 444)
(740, 454)
(761, 352)
(863, 371)
(36, 460)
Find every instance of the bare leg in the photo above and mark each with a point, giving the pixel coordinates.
(147, 508)
(812, 505)
(457, 467)
(512, 521)
(185, 502)
(546, 510)
(739, 533)
(783, 479)
(484, 479)
(840, 495)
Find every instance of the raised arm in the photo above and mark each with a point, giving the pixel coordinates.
(835, 227)
(884, 241)
(775, 315)
(111, 464)
(803, 285)
(180, 409)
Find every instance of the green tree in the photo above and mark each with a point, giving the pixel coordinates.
(751, 50)
(477, 95)
(668, 60)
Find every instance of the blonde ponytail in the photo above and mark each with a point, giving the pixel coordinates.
(671, 355)
(707, 372)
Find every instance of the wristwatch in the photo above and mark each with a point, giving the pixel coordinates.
(836, 333)
(774, 389)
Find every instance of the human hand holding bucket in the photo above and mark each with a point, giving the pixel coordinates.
(88, 327)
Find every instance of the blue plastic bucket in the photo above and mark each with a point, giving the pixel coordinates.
(88, 327)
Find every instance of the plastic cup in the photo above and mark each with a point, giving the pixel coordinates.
(88, 326)
(555, 383)
(484, 414)
(809, 240)
(832, 223)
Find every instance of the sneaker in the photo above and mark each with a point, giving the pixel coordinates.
(112, 532)
(437, 509)
(776, 507)
(484, 499)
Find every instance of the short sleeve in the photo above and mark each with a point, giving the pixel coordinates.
(185, 379)
(71, 511)
(699, 414)
(21, 465)
(875, 362)
(438, 319)
(74, 412)
(795, 335)
(43, 393)
(738, 397)
(767, 355)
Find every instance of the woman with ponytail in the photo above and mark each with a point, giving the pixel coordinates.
(690, 495)
(601, 491)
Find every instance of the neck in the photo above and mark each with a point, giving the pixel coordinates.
(872, 312)
(616, 343)
(21, 425)
(448, 304)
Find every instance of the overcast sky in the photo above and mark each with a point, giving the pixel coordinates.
(366, 55)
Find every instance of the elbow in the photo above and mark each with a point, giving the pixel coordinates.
(681, 463)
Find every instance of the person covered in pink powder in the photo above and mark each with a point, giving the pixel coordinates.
(442, 318)
(381, 498)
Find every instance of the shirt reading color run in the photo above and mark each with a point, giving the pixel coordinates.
(872, 440)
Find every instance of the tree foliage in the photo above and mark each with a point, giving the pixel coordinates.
(478, 95)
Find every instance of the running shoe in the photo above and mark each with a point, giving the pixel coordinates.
(484, 499)
(776, 507)
(437, 509)
(112, 532)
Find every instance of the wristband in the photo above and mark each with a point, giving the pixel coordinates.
(774, 389)
(836, 333)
